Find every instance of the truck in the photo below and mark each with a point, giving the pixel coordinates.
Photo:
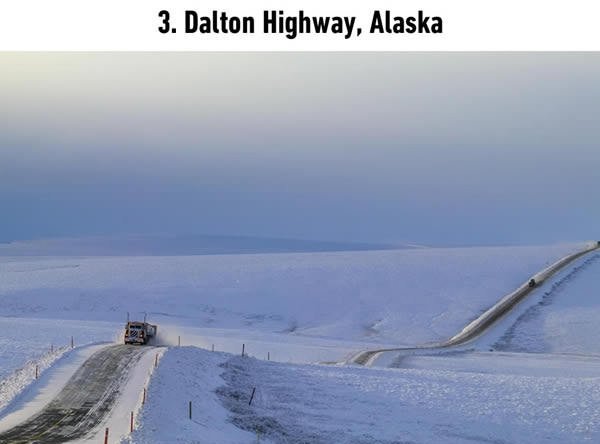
(139, 332)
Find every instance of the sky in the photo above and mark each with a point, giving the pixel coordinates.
(429, 148)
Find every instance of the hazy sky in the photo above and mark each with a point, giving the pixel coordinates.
(433, 148)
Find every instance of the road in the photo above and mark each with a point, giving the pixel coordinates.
(83, 403)
(487, 319)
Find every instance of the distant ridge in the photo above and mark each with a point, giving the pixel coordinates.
(176, 245)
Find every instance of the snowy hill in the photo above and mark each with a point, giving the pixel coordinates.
(400, 296)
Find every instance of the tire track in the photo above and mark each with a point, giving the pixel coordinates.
(83, 403)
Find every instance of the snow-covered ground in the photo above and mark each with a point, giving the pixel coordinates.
(399, 296)
(564, 319)
(277, 346)
(324, 404)
(187, 374)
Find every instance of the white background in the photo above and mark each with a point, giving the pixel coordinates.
(471, 25)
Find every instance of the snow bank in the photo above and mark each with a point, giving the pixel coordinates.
(12, 385)
(186, 374)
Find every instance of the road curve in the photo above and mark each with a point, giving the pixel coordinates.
(489, 317)
(83, 403)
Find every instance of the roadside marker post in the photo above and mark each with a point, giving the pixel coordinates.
(190, 409)
(37, 371)
(106, 436)
(178, 341)
(131, 423)
(213, 347)
(72, 342)
(144, 396)
(268, 356)
(156, 361)
(243, 349)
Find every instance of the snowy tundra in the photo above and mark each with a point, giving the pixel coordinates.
(310, 308)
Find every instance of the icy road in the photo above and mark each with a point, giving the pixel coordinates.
(83, 403)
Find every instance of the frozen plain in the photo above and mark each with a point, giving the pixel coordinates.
(304, 308)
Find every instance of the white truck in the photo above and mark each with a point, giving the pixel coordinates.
(138, 332)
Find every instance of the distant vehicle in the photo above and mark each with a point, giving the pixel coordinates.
(139, 332)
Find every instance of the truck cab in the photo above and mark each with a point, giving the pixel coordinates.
(139, 332)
